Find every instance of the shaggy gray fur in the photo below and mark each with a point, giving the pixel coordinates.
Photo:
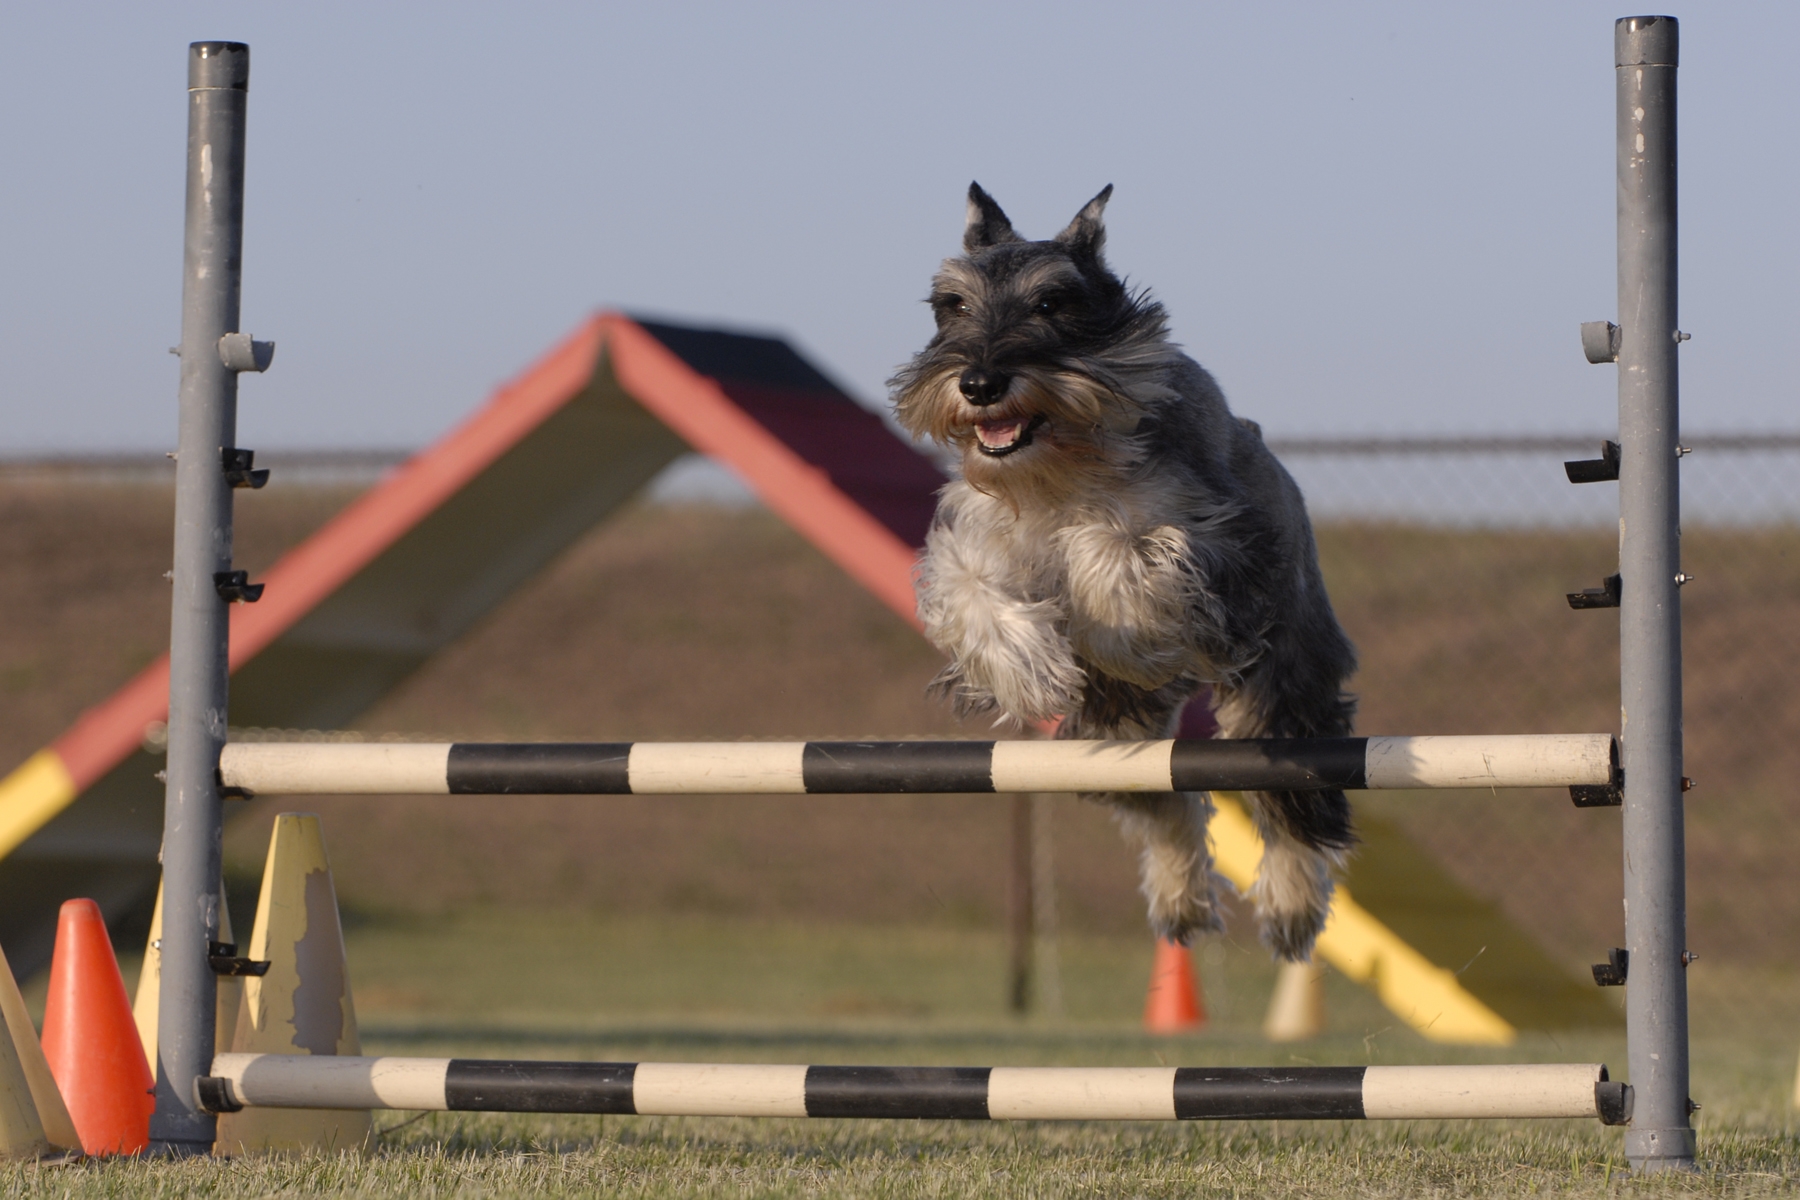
(1118, 541)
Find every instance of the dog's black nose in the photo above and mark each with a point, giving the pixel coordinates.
(982, 387)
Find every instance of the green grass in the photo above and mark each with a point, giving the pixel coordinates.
(560, 985)
(641, 1156)
(525, 966)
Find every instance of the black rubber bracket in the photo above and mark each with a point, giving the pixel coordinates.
(238, 466)
(223, 957)
(1612, 972)
(1597, 795)
(1613, 1101)
(1595, 470)
(235, 585)
(215, 1095)
(1610, 794)
(1604, 596)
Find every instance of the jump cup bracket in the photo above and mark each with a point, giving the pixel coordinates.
(1612, 972)
(224, 960)
(1604, 596)
(238, 466)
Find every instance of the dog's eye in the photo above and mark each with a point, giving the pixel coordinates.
(947, 305)
(1049, 306)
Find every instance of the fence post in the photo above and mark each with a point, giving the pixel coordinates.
(1645, 58)
(1020, 907)
(218, 83)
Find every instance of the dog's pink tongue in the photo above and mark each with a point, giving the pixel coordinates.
(1000, 433)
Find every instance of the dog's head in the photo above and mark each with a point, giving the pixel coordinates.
(1040, 369)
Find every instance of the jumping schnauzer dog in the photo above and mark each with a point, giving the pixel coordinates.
(1118, 541)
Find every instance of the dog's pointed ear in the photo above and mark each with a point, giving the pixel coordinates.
(1085, 234)
(987, 226)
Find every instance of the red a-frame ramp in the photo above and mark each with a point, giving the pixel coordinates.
(424, 554)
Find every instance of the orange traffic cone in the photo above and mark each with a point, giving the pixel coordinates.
(90, 1039)
(1174, 1004)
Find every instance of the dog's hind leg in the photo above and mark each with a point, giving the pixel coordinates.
(1296, 690)
(1175, 866)
(1168, 829)
(1292, 892)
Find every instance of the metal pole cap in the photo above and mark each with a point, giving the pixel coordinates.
(219, 65)
(1646, 42)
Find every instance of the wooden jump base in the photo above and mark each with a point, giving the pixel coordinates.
(963, 1093)
(1585, 762)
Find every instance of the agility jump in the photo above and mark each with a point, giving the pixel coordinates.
(193, 1084)
(1586, 763)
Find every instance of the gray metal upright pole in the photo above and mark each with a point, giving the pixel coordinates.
(1660, 1136)
(218, 83)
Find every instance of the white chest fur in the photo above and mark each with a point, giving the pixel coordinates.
(1016, 597)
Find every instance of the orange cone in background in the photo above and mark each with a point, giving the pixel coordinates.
(90, 1039)
(1173, 1005)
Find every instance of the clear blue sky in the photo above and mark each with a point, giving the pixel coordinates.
(1364, 218)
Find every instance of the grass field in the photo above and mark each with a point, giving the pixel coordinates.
(665, 1157)
(555, 984)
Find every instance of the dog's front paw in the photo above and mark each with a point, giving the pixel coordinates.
(1029, 669)
(966, 699)
(1000, 645)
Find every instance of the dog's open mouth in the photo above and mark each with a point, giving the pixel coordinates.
(1000, 436)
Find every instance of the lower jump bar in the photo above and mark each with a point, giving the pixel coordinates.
(968, 1093)
(1587, 762)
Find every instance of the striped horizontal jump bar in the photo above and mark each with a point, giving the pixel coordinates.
(650, 768)
(967, 1093)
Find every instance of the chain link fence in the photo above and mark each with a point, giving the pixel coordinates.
(1449, 561)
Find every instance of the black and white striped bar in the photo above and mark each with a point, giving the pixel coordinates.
(911, 1092)
(967, 1093)
(665, 768)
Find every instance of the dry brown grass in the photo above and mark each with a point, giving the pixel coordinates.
(679, 623)
(82, 587)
